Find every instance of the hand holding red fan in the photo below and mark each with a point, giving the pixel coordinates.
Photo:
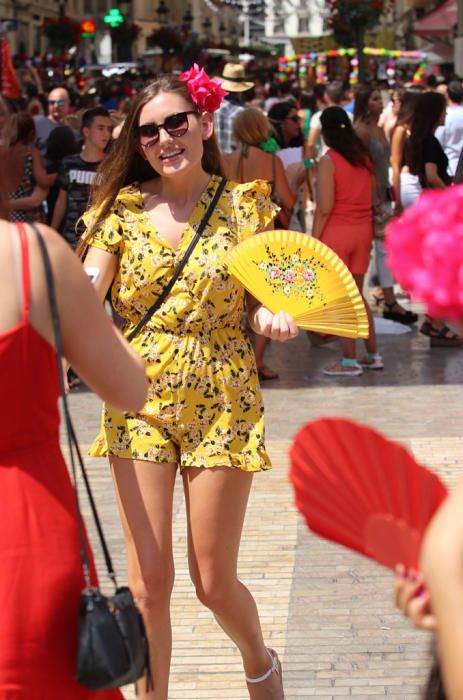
(357, 488)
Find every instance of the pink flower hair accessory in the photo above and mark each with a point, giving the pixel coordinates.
(425, 252)
(205, 92)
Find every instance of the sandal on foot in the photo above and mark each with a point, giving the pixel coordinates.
(274, 668)
(372, 361)
(427, 328)
(440, 337)
(265, 373)
(445, 338)
(343, 368)
(400, 315)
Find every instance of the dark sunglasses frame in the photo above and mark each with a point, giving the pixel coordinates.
(152, 130)
(61, 103)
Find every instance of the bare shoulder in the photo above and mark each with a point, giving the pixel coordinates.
(326, 162)
(55, 243)
(362, 129)
(66, 265)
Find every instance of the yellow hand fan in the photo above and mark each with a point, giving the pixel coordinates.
(290, 271)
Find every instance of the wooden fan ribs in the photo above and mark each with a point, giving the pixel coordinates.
(290, 271)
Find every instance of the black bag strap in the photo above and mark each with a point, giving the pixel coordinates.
(74, 450)
(166, 291)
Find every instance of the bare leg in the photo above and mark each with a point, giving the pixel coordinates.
(216, 502)
(348, 344)
(260, 343)
(370, 342)
(145, 494)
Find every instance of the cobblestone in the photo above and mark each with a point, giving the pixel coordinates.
(328, 611)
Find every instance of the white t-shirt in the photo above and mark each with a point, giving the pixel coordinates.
(451, 136)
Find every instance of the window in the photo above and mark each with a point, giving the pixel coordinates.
(304, 24)
(279, 25)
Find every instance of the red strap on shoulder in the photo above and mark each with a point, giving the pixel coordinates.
(25, 273)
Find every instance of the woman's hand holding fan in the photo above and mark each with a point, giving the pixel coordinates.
(292, 272)
(280, 326)
(413, 599)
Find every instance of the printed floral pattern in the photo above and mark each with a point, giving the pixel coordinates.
(292, 274)
(204, 406)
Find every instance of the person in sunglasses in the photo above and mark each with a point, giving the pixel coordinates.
(204, 412)
(58, 109)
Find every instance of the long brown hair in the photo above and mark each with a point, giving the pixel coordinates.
(434, 689)
(19, 128)
(429, 108)
(339, 134)
(12, 172)
(124, 165)
(362, 97)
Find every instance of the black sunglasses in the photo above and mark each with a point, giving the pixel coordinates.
(176, 125)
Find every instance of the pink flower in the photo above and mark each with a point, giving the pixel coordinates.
(289, 276)
(205, 92)
(275, 273)
(308, 275)
(425, 251)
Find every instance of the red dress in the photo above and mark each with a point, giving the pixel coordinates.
(40, 568)
(349, 227)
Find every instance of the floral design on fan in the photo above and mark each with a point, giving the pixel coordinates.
(292, 273)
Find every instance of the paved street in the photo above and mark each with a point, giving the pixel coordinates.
(326, 610)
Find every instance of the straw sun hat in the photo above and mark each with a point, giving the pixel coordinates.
(233, 78)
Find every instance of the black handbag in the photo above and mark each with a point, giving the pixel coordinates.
(112, 648)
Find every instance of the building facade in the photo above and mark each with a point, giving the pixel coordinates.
(21, 21)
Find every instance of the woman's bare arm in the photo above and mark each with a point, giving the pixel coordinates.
(287, 196)
(442, 565)
(325, 195)
(93, 346)
(397, 152)
(31, 201)
(432, 177)
(41, 176)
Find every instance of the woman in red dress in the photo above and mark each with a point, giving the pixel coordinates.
(344, 220)
(40, 567)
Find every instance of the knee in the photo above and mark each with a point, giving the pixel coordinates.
(152, 585)
(214, 592)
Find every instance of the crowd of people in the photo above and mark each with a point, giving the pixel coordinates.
(274, 132)
(128, 194)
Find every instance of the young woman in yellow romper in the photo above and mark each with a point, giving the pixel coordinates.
(204, 412)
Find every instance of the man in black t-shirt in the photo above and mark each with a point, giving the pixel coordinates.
(77, 174)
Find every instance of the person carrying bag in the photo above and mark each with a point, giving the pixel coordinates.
(112, 648)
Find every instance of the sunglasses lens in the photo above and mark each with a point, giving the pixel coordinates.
(148, 133)
(177, 124)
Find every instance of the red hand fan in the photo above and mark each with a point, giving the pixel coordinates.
(357, 488)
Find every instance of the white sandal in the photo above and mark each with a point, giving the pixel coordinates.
(275, 667)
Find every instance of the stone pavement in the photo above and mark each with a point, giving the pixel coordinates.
(327, 610)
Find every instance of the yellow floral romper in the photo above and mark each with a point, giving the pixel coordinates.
(204, 404)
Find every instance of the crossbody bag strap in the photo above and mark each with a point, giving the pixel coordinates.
(166, 291)
(73, 445)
